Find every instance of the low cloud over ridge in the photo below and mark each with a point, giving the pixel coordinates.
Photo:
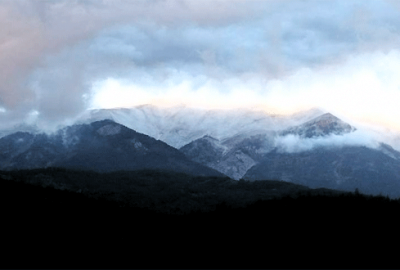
(293, 143)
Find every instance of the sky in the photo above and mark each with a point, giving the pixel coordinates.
(59, 58)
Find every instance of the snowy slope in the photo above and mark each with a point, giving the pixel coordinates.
(235, 155)
(326, 124)
(178, 126)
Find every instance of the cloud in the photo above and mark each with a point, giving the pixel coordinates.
(293, 143)
(365, 89)
(59, 57)
(34, 33)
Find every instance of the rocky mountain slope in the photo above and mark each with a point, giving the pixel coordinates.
(235, 155)
(102, 146)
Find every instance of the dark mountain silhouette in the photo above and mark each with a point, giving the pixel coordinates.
(102, 146)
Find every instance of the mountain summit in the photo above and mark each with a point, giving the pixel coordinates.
(323, 125)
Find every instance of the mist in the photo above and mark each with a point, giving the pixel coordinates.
(295, 144)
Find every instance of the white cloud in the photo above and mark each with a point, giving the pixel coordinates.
(56, 57)
(364, 89)
(293, 143)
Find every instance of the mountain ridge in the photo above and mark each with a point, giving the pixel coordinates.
(178, 126)
(100, 146)
(249, 153)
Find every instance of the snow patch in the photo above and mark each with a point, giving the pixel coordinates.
(137, 144)
(235, 166)
(109, 130)
(67, 139)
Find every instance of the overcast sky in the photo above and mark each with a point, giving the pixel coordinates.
(59, 58)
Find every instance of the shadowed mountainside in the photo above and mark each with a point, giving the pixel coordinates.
(345, 168)
(102, 146)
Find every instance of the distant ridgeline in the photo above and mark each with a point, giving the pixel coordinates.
(252, 153)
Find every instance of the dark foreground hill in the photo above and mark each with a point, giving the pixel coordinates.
(163, 192)
(46, 223)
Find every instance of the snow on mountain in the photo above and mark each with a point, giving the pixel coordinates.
(235, 155)
(178, 126)
(238, 143)
(232, 156)
(206, 150)
(323, 125)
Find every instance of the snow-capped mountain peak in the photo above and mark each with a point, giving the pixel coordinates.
(323, 125)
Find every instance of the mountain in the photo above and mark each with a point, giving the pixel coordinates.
(23, 127)
(343, 168)
(212, 153)
(388, 150)
(180, 125)
(326, 124)
(255, 156)
(101, 146)
(240, 144)
(236, 154)
(205, 150)
(232, 156)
